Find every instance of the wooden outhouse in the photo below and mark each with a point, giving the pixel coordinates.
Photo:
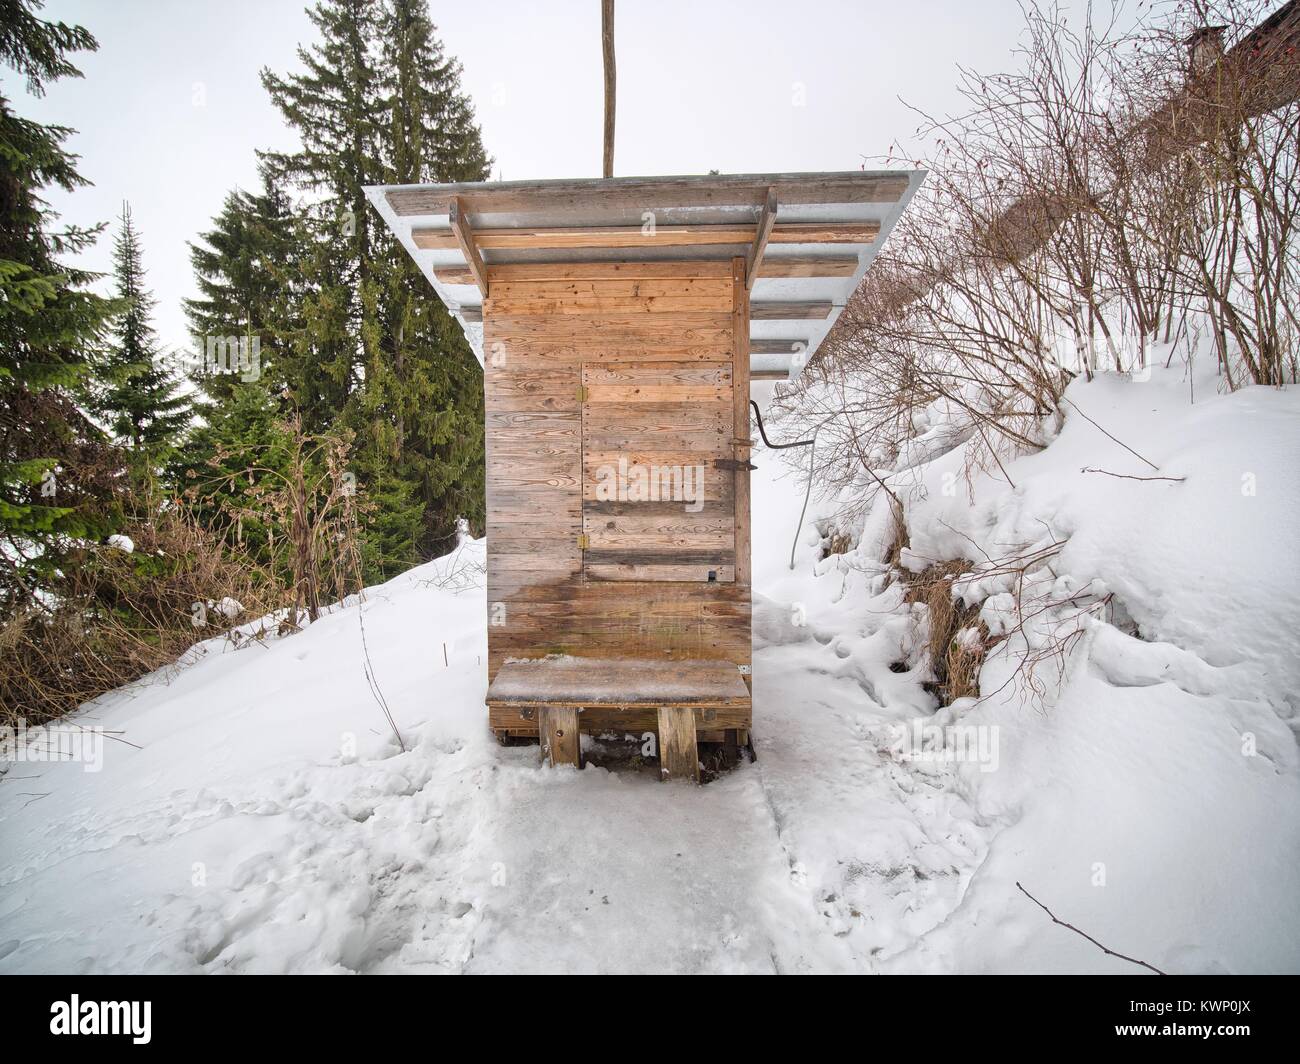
(619, 323)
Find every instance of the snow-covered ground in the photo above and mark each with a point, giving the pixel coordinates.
(263, 819)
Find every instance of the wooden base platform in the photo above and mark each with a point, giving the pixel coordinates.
(682, 702)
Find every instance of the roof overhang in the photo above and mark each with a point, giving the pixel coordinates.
(808, 239)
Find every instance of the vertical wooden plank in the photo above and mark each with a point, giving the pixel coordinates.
(561, 742)
(679, 756)
(740, 424)
(740, 427)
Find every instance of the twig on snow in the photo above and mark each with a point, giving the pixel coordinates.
(1126, 476)
(1107, 434)
(1062, 923)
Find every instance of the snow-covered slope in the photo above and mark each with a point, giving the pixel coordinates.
(263, 818)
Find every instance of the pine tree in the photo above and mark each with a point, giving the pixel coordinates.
(141, 400)
(56, 473)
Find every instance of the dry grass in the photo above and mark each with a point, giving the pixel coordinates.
(955, 659)
(120, 616)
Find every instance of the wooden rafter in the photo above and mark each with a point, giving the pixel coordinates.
(465, 241)
(766, 222)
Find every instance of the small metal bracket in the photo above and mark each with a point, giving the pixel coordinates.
(732, 464)
(744, 670)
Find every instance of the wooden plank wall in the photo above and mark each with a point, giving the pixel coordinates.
(538, 333)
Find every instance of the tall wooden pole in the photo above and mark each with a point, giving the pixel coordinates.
(607, 41)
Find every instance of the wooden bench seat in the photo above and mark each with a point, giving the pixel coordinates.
(677, 696)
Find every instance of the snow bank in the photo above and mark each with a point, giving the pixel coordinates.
(1149, 785)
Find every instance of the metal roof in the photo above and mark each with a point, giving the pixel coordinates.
(828, 228)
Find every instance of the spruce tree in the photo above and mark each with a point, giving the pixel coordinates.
(140, 400)
(245, 428)
(379, 102)
(247, 271)
(427, 373)
(56, 473)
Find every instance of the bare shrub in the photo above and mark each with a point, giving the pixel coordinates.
(119, 616)
(1113, 194)
(309, 505)
(1134, 183)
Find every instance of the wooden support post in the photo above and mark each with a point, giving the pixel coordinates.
(558, 730)
(611, 82)
(679, 755)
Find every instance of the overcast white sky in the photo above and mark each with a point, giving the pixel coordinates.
(170, 108)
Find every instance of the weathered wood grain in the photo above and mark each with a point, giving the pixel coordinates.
(644, 238)
(561, 739)
(660, 391)
(652, 193)
(783, 266)
(766, 222)
(567, 681)
(773, 311)
(679, 757)
(465, 241)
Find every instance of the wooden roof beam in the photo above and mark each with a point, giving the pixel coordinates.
(809, 266)
(757, 312)
(465, 241)
(788, 266)
(653, 193)
(777, 347)
(790, 311)
(612, 236)
(635, 236)
(766, 221)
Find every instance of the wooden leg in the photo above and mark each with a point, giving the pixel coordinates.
(561, 742)
(679, 757)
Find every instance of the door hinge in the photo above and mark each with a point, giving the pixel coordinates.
(583, 541)
(733, 464)
(582, 393)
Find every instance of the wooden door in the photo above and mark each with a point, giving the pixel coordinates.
(656, 503)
